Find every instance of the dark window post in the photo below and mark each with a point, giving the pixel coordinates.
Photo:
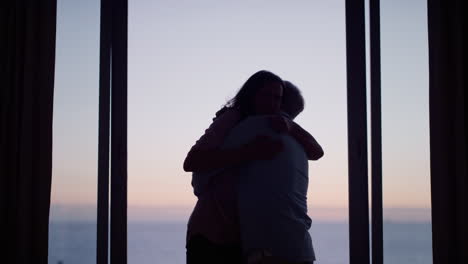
(112, 107)
(118, 230)
(376, 133)
(102, 242)
(357, 133)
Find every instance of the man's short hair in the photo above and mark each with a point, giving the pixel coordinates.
(292, 101)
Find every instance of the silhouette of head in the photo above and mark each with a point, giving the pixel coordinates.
(260, 94)
(292, 101)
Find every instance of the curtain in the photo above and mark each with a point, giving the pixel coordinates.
(27, 33)
(447, 101)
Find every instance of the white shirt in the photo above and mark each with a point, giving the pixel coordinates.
(272, 196)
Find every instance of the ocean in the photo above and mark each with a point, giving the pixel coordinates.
(74, 242)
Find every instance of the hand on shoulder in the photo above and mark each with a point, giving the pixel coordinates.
(280, 124)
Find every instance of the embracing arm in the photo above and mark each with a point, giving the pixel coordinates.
(261, 147)
(283, 124)
(201, 160)
(313, 149)
(207, 154)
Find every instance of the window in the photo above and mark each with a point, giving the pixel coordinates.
(186, 59)
(72, 227)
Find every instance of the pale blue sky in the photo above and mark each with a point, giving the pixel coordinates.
(186, 58)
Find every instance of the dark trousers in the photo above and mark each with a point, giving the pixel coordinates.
(200, 250)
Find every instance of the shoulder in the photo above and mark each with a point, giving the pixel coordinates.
(229, 115)
(258, 120)
(232, 113)
(225, 121)
(219, 128)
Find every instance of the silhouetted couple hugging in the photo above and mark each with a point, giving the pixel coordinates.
(250, 174)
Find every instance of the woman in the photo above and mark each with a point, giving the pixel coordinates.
(213, 237)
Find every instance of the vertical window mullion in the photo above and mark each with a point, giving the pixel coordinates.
(102, 237)
(118, 230)
(357, 133)
(376, 133)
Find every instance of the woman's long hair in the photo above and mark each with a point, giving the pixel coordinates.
(244, 99)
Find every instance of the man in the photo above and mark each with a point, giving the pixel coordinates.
(272, 194)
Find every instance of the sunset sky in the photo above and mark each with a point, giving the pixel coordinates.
(187, 58)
